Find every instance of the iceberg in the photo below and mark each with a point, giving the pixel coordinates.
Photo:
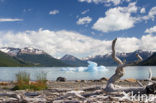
(92, 67)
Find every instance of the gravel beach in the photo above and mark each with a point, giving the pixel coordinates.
(79, 91)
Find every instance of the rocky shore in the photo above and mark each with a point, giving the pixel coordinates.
(79, 91)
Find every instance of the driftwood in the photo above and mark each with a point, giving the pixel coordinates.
(110, 87)
(112, 92)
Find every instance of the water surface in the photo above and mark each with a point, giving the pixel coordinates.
(137, 72)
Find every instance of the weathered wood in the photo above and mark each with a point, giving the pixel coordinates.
(110, 87)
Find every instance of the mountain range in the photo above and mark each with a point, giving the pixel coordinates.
(32, 56)
(151, 61)
(74, 61)
(35, 57)
(9, 61)
(107, 60)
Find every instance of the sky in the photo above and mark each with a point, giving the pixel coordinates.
(78, 27)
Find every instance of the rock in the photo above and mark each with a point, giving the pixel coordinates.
(103, 79)
(151, 89)
(61, 79)
(48, 82)
(77, 80)
(66, 101)
(84, 81)
(91, 80)
(35, 100)
(4, 83)
(11, 97)
(32, 94)
(96, 81)
(10, 100)
(154, 78)
(92, 88)
(130, 80)
(10, 94)
(119, 81)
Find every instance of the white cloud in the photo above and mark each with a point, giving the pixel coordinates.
(151, 30)
(56, 43)
(89, 1)
(9, 20)
(116, 2)
(54, 12)
(148, 42)
(84, 20)
(59, 43)
(128, 44)
(143, 10)
(116, 19)
(85, 11)
(121, 18)
(151, 15)
(107, 2)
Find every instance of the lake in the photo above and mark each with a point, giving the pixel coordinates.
(137, 72)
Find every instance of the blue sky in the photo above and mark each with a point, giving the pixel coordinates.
(99, 21)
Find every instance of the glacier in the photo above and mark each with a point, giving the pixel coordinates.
(92, 67)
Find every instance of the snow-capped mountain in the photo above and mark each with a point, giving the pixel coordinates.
(107, 58)
(14, 51)
(34, 56)
(31, 51)
(102, 56)
(91, 57)
(148, 53)
(73, 61)
(31, 56)
(151, 61)
(69, 57)
(10, 51)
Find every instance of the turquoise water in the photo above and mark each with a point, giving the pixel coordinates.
(137, 72)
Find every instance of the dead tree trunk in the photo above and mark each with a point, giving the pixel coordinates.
(110, 87)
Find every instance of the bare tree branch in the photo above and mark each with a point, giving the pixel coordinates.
(140, 84)
(150, 77)
(135, 62)
(110, 87)
(114, 53)
(150, 74)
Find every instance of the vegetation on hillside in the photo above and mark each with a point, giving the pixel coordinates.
(8, 61)
(151, 61)
(44, 60)
(29, 60)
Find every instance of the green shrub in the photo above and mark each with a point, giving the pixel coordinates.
(41, 79)
(23, 77)
(23, 81)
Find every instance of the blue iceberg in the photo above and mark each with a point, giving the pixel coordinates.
(92, 67)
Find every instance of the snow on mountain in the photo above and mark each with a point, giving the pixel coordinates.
(69, 57)
(31, 51)
(73, 61)
(91, 57)
(108, 55)
(107, 60)
(10, 51)
(15, 51)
